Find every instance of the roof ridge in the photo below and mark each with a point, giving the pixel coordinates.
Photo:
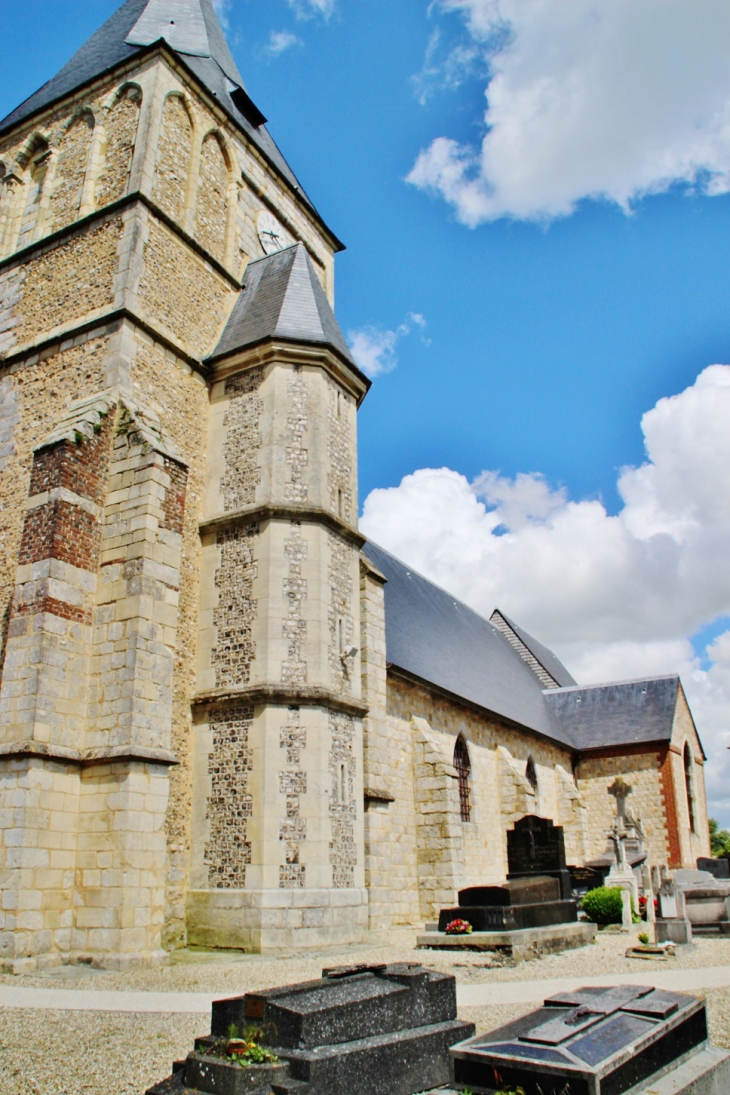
(612, 684)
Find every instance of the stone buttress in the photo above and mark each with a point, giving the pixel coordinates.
(278, 850)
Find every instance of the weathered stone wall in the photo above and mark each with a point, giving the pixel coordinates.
(180, 294)
(61, 284)
(647, 801)
(228, 851)
(211, 210)
(236, 610)
(170, 187)
(37, 390)
(413, 757)
(691, 842)
(120, 131)
(70, 171)
(180, 396)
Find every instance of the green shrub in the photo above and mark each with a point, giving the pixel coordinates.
(603, 905)
(644, 939)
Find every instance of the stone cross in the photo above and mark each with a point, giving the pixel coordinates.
(620, 790)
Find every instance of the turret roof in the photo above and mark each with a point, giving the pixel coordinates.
(282, 298)
(190, 28)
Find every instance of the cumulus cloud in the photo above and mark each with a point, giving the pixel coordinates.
(374, 348)
(280, 41)
(605, 99)
(306, 9)
(222, 7)
(617, 596)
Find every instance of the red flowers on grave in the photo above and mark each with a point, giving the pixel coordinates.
(459, 927)
(642, 907)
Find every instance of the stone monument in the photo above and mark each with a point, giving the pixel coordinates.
(535, 846)
(599, 1041)
(672, 925)
(377, 1030)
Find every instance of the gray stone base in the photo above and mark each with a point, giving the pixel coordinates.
(673, 931)
(261, 921)
(706, 1073)
(520, 945)
(99, 961)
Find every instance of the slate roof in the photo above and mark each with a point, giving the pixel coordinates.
(282, 298)
(432, 636)
(625, 713)
(192, 30)
(546, 658)
(442, 642)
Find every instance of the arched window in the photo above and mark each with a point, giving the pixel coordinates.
(35, 164)
(170, 189)
(531, 774)
(463, 768)
(689, 785)
(211, 214)
(120, 134)
(70, 176)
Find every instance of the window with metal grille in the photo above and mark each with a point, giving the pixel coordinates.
(531, 774)
(689, 785)
(463, 768)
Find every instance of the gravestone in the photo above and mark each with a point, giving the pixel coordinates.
(672, 925)
(583, 879)
(378, 1030)
(718, 868)
(594, 1041)
(706, 899)
(535, 846)
(532, 902)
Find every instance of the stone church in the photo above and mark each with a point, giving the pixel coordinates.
(225, 719)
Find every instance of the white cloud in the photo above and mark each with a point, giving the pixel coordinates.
(616, 596)
(608, 99)
(374, 348)
(306, 9)
(280, 41)
(222, 7)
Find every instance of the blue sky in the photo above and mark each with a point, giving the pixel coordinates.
(565, 259)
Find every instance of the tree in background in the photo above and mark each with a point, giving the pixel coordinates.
(719, 839)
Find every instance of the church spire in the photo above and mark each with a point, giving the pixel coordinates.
(190, 27)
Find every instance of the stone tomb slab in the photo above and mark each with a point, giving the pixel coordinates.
(380, 1030)
(520, 891)
(596, 1041)
(485, 918)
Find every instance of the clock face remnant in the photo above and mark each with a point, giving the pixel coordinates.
(272, 235)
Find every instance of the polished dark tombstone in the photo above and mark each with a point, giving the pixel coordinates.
(536, 846)
(583, 879)
(532, 902)
(595, 1041)
(719, 868)
(378, 1030)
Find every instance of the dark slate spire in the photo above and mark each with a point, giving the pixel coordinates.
(192, 30)
(282, 298)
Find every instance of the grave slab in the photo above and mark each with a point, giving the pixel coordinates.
(380, 1030)
(486, 918)
(518, 945)
(595, 1041)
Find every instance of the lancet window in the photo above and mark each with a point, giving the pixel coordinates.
(462, 764)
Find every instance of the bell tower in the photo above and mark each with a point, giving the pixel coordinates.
(180, 715)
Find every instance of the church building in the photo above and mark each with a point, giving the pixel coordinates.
(225, 718)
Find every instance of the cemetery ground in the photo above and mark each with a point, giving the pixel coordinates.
(69, 1052)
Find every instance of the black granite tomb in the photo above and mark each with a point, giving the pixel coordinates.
(583, 879)
(381, 1030)
(596, 1041)
(720, 868)
(532, 902)
(536, 846)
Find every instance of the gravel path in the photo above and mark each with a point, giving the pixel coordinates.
(70, 1053)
